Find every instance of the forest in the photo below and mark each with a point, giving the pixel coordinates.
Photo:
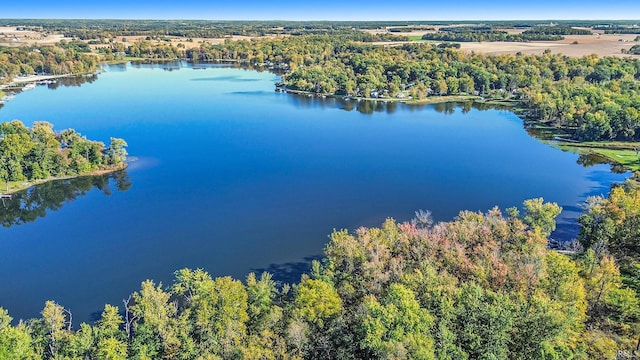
(65, 58)
(493, 35)
(490, 33)
(483, 286)
(40, 153)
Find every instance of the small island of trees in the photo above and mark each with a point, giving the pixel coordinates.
(39, 153)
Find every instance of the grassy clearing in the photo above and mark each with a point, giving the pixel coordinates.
(623, 153)
(627, 158)
(415, 37)
(441, 99)
(123, 59)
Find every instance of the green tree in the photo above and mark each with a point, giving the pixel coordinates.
(217, 311)
(117, 151)
(397, 327)
(317, 302)
(153, 332)
(484, 322)
(541, 216)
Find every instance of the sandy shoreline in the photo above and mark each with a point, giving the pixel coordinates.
(28, 184)
(18, 81)
(35, 78)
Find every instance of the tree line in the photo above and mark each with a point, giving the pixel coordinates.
(483, 286)
(556, 30)
(495, 35)
(491, 33)
(65, 58)
(40, 153)
(589, 98)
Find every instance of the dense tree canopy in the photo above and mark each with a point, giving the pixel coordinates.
(67, 58)
(40, 153)
(483, 286)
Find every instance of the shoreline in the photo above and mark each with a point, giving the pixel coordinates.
(20, 81)
(611, 151)
(426, 101)
(36, 78)
(24, 185)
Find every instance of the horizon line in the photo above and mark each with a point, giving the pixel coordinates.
(306, 20)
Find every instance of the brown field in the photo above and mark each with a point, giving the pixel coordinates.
(188, 43)
(599, 44)
(10, 36)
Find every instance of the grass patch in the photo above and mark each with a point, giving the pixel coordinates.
(415, 37)
(123, 59)
(618, 145)
(623, 153)
(627, 158)
(442, 99)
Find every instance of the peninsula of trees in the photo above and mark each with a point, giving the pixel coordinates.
(39, 153)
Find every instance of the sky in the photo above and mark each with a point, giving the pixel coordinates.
(324, 10)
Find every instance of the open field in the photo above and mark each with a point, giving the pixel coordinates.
(11, 36)
(188, 43)
(601, 45)
(626, 154)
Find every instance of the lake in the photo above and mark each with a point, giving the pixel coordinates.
(233, 177)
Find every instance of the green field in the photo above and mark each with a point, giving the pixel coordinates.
(623, 153)
(415, 37)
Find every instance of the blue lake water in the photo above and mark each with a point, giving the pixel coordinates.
(233, 177)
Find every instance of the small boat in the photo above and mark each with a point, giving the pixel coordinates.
(29, 86)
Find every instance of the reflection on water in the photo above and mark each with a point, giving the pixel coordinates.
(592, 159)
(72, 81)
(28, 205)
(371, 106)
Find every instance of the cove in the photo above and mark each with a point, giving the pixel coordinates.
(233, 177)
